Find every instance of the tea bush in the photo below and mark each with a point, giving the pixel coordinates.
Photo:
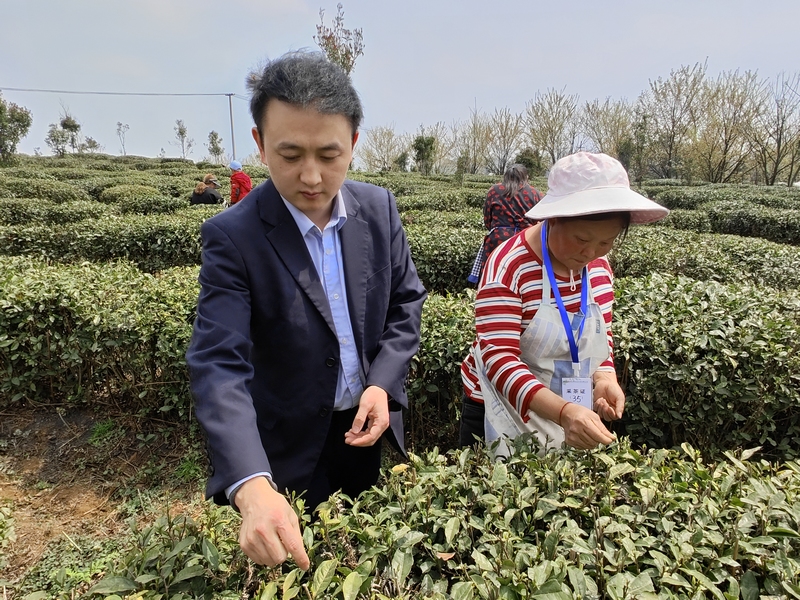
(434, 381)
(470, 219)
(774, 224)
(94, 333)
(444, 256)
(154, 242)
(708, 257)
(612, 523)
(681, 218)
(710, 364)
(22, 211)
(694, 196)
(117, 193)
(443, 200)
(151, 205)
(43, 189)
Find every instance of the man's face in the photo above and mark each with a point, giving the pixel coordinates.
(308, 154)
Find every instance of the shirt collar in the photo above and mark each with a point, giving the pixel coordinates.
(305, 225)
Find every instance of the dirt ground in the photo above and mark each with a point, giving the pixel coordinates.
(62, 471)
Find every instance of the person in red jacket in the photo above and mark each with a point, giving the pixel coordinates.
(240, 182)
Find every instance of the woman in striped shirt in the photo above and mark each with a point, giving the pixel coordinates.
(542, 358)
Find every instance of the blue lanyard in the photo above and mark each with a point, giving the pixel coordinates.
(573, 346)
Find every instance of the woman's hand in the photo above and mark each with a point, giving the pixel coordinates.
(583, 427)
(609, 399)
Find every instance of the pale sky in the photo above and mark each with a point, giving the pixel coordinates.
(424, 60)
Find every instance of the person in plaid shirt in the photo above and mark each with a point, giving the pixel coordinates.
(504, 213)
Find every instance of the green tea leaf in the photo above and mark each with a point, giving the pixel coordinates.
(401, 564)
(113, 585)
(461, 590)
(323, 575)
(352, 585)
(705, 582)
(749, 585)
(451, 529)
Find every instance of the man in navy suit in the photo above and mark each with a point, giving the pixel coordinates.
(308, 316)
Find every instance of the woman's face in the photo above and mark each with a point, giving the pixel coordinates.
(575, 243)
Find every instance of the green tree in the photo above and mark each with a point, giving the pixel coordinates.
(424, 147)
(72, 128)
(341, 46)
(91, 145)
(532, 160)
(58, 139)
(15, 121)
(401, 162)
(214, 146)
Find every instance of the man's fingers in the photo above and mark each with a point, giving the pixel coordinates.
(293, 543)
(361, 418)
(262, 549)
(364, 438)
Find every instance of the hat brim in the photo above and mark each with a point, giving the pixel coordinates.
(598, 201)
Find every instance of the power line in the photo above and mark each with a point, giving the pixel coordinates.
(95, 93)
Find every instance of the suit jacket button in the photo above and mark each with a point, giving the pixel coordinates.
(323, 412)
(330, 362)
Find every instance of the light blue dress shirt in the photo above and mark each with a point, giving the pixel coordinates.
(325, 248)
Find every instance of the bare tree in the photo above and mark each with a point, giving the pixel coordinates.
(553, 122)
(506, 131)
(722, 144)
(471, 141)
(670, 107)
(341, 46)
(608, 126)
(776, 130)
(380, 148)
(182, 139)
(122, 130)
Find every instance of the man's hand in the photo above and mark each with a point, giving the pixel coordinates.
(609, 399)
(583, 428)
(373, 409)
(270, 529)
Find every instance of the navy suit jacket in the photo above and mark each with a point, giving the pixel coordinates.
(264, 356)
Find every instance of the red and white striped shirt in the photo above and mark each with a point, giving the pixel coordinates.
(508, 298)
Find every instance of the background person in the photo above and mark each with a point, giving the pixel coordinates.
(240, 182)
(205, 192)
(542, 357)
(504, 213)
(308, 315)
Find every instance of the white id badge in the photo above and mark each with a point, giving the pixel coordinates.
(578, 390)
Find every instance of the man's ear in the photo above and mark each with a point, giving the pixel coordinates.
(259, 143)
(355, 139)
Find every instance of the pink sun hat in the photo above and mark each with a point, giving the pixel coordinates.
(585, 183)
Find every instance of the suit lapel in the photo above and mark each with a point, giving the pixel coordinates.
(284, 236)
(356, 255)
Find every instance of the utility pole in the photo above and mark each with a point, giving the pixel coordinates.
(233, 139)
